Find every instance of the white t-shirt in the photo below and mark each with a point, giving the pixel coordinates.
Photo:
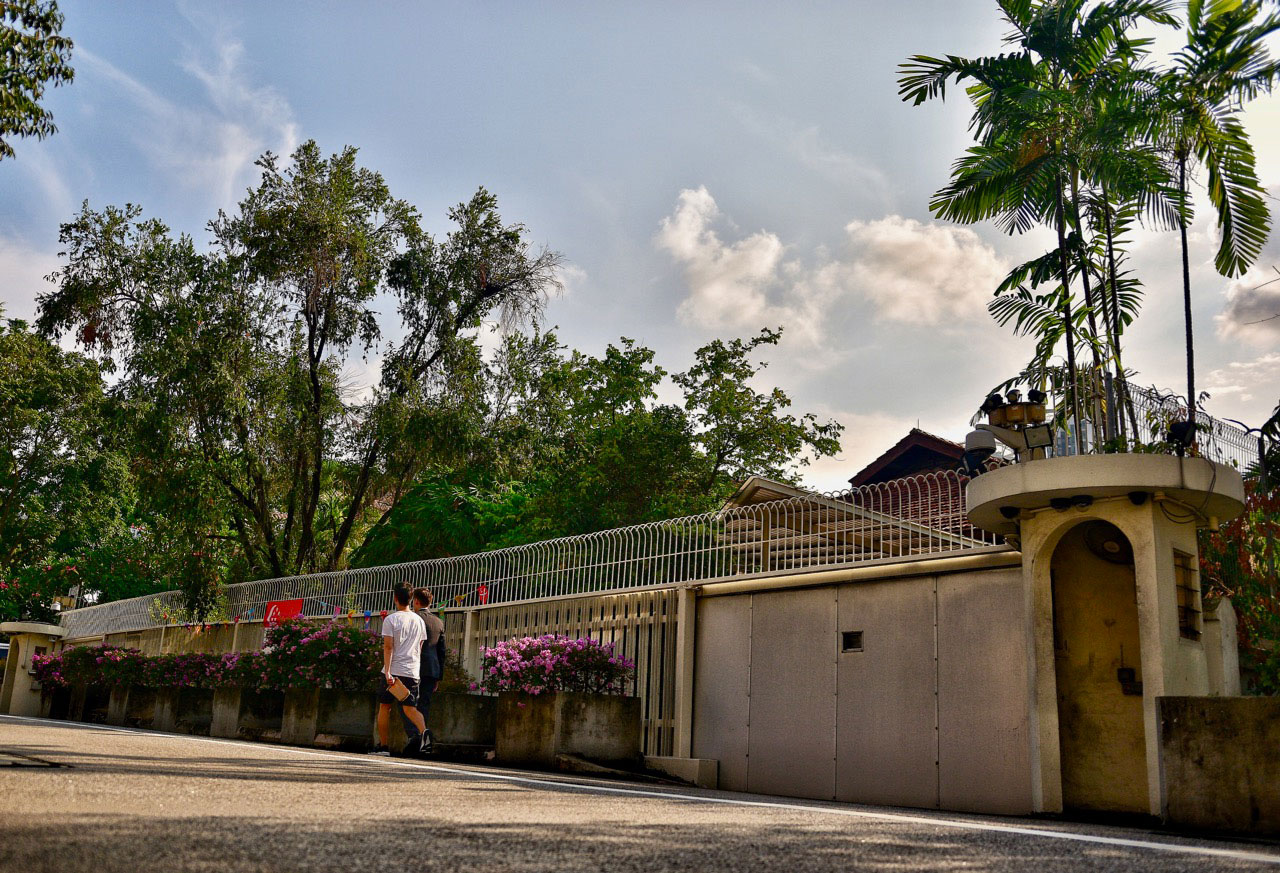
(407, 633)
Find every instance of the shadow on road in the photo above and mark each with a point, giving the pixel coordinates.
(107, 843)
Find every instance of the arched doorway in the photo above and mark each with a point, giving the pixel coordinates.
(1098, 668)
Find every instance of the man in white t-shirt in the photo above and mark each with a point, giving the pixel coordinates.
(403, 634)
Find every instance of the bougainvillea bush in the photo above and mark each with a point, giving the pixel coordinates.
(537, 665)
(296, 654)
(299, 653)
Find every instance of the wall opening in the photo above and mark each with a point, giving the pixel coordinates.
(1098, 666)
(10, 674)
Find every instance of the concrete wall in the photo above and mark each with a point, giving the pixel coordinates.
(1221, 761)
(1221, 651)
(932, 711)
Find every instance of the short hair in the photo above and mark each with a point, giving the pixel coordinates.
(422, 595)
(401, 593)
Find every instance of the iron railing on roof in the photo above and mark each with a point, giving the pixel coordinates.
(1153, 412)
(915, 516)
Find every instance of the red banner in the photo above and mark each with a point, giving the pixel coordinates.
(483, 593)
(279, 610)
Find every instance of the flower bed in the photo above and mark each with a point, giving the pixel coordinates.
(297, 654)
(538, 665)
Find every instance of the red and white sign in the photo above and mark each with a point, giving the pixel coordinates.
(279, 610)
(483, 593)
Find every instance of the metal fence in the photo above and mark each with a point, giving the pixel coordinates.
(1153, 412)
(919, 515)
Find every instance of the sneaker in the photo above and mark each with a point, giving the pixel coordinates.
(381, 751)
(428, 744)
(413, 748)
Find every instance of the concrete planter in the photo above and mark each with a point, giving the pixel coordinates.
(188, 711)
(343, 719)
(534, 730)
(116, 704)
(140, 708)
(91, 703)
(464, 719)
(261, 715)
(55, 702)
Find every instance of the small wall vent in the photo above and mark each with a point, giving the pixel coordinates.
(851, 641)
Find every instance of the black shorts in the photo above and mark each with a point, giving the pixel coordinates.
(385, 695)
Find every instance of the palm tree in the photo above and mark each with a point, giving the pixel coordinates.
(1030, 112)
(1224, 64)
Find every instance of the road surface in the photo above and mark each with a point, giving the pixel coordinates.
(141, 802)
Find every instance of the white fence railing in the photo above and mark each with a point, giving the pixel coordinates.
(919, 515)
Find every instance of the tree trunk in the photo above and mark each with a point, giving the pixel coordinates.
(1114, 314)
(1093, 323)
(1186, 294)
(1072, 379)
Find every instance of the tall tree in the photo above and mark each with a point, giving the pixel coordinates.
(236, 363)
(33, 55)
(1224, 64)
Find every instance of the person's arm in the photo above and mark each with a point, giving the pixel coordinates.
(387, 644)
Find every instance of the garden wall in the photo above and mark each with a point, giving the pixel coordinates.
(640, 624)
(1221, 762)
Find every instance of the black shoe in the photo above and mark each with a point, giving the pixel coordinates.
(428, 743)
(413, 748)
(380, 750)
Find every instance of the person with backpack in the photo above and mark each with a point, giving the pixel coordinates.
(432, 659)
(403, 634)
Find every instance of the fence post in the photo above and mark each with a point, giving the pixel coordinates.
(686, 651)
(470, 650)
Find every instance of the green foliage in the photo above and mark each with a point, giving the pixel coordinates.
(251, 454)
(297, 654)
(66, 490)
(254, 457)
(33, 55)
(580, 444)
(550, 663)
(1242, 561)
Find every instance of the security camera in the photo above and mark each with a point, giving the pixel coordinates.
(978, 446)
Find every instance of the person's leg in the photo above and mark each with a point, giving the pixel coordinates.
(412, 714)
(425, 690)
(384, 723)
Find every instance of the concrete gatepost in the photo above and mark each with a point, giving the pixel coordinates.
(1149, 507)
(20, 693)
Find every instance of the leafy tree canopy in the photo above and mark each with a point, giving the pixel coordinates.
(33, 54)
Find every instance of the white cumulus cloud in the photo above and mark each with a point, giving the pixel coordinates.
(907, 271)
(926, 274)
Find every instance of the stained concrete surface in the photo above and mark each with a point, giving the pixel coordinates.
(137, 802)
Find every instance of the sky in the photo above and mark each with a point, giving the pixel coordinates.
(707, 169)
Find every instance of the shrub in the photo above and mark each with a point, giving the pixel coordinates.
(297, 654)
(534, 665)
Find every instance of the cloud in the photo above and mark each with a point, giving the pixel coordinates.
(1252, 313)
(572, 278)
(916, 274)
(731, 285)
(806, 145)
(925, 274)
(1246, 379)
(22, 272)
(209, 146)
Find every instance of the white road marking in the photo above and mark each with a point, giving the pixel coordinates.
(606, 788)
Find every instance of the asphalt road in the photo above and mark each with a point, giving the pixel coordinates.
(141, 802)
